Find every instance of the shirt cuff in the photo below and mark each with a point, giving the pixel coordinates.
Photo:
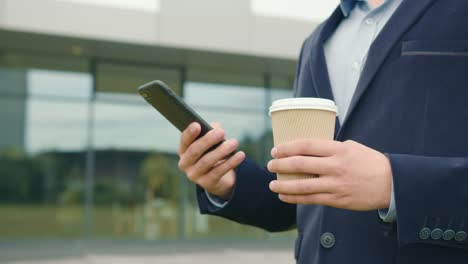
(389, 215)
(215, 200)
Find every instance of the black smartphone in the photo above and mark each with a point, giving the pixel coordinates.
(172, 107)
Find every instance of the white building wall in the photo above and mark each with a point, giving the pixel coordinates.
(207, 24)
(89, 21)
(278, 37)
(2, 11)
(215, 25)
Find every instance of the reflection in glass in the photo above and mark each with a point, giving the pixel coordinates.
(59, 83)
(277, 94)
(42, 172)
(133, 127)
(55, 126)
(238, 98)
(45, 108)
(136, 175)
(13, 82)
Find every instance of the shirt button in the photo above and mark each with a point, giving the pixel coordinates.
(370, 21)
(356, 66)
(327, 240)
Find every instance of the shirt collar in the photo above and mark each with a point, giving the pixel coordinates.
(348, 5)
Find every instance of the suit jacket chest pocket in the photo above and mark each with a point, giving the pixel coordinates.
(424, 48)
(439, 66)
(440, 70)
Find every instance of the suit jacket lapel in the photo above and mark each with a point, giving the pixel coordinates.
(318, 65)
(405, 16)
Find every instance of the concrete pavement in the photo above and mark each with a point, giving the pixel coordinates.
(154, 253)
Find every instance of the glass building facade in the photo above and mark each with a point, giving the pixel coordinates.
(82, 156)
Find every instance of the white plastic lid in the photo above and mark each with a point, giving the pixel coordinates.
(303, 103)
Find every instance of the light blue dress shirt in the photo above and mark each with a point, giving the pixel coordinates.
(346, 54)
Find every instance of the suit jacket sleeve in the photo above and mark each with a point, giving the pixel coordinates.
(431, 193)
(252, 202)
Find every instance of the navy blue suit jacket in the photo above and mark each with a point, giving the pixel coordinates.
(412, 103)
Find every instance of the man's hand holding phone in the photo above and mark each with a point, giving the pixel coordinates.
(205, 157)
(213, 170)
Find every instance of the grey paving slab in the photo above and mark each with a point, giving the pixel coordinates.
(133, 253)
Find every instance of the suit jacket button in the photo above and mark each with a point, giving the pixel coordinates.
(460, 236)
(437, 234)
(327, 240)
(448, 234)
(425, 233)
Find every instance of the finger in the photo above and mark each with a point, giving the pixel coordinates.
(215, 175)
(216, 125)
(199, 147)
(214, 157)
(301, 164)
(316, 199)
(303, 186)
(188, 136)
(307, 147)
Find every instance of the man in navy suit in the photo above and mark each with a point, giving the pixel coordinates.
(393, 187)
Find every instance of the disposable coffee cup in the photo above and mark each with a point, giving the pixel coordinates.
(302, 118)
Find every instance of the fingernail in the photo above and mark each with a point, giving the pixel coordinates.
(218, 133)
(272, 185)
(192, 128)
(281, 197)
(231, 142)
(274, 151)
(235, 142)
(270, 163)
